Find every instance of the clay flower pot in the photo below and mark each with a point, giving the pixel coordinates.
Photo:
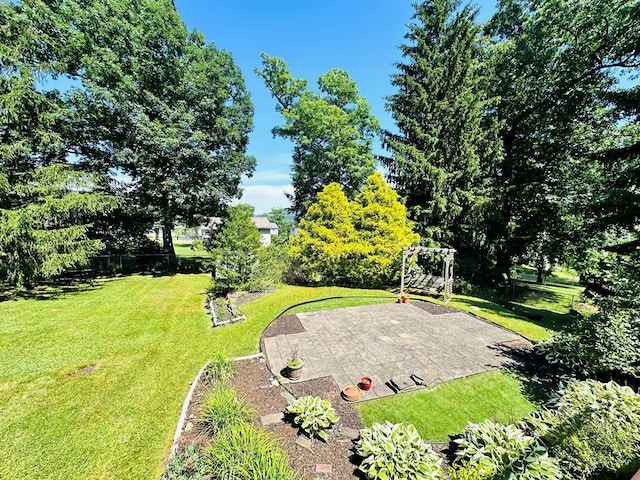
(351, 393)
(365, 383)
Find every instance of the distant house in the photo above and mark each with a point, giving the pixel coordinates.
(264, 226)
(266, 229)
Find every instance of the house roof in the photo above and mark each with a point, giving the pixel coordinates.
(262, 223)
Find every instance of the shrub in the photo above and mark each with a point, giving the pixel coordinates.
(314, 415)
(185, 465)
(602, 342)
(491, 450)
(396, 451)
(245, 453)
(219, 369)
(222, 410)
(592, 428)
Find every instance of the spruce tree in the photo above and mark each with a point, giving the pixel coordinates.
(444, 147)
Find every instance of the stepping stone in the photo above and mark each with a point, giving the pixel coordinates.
(304, 442)
(424, 378)
(323, 468)
(402, 384)
(271, 418)
(349, 432)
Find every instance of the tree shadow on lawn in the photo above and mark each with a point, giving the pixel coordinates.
(54, 289)
(549, 320)
(537, 377)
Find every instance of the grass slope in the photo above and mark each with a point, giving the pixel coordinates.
(445, 409)
(147, 337)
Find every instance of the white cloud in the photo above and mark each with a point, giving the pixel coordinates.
(266, 197)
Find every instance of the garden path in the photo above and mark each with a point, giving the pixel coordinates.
(391, 341)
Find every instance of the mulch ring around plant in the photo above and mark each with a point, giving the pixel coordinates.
(313, 459)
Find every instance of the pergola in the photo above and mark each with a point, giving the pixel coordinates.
(432, 284)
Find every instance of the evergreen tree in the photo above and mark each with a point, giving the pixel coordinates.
(46, 206)
(235, 247)
(444, 149)
(353, 243)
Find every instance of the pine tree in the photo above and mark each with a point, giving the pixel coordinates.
(444, 149)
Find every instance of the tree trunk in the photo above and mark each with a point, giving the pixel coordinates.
(541, 276)
(167, 241)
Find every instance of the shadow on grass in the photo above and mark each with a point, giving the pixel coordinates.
(549, 320)
(54, 289)
(532, 371)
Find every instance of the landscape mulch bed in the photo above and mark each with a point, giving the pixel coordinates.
(253, 381)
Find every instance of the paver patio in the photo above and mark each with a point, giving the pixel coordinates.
(388, 341)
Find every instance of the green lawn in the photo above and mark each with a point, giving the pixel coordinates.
(445, 409)
(183, 249)
(147, 337)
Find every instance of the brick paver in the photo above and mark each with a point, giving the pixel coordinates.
(387, 341)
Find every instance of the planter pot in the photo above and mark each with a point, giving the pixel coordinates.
(351, 393)
(365, 383)
(294, 372)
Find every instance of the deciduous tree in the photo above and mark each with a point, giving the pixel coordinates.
(332, 130)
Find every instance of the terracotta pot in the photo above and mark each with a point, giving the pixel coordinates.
(351, 393)
(365, 383)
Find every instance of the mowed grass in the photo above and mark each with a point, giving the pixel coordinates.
(445, 409)
(146, 337)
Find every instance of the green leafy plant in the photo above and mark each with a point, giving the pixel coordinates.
(221, 410)
(295, 360)
(219, 369)
(243, 452)
(185, 465)
(314, 415)
(494, 451)
(592, 428)
(396, 451)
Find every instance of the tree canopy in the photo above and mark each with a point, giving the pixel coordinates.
(332, 130)
(149, 102)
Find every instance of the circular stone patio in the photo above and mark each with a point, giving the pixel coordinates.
(401, 347)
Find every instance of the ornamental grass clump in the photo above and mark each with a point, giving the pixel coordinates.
(397, 452)
(314, 415)
(492, 451)
(243, 452)
(221, 410)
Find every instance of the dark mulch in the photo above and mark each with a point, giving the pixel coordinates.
(255, 384)
(433, 308)
(285, 324)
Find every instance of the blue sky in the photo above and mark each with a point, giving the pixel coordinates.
(360, 36)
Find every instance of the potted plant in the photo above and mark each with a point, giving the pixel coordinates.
(404, 298)
(365, 383)
(294, 365)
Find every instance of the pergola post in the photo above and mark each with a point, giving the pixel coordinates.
(404, 261)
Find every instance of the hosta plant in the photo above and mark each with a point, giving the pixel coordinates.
(491, 450)
(314, 415)
(396, 451)
(592, 428)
